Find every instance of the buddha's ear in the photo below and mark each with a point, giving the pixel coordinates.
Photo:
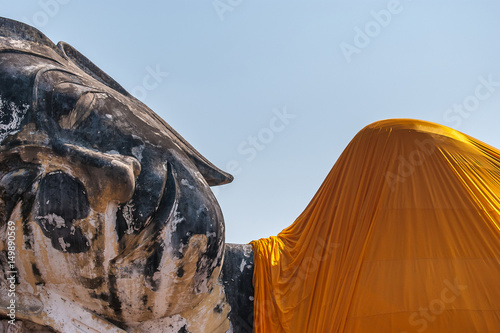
(89, 67)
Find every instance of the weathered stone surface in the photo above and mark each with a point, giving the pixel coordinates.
(237, 274)
(115, 227)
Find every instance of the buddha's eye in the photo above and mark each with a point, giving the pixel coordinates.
(71, 104)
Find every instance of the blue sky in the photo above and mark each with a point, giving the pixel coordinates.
(274, 91)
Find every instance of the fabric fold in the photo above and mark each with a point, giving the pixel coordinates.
(402, 236)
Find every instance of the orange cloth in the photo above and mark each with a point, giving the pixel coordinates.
(402, 236)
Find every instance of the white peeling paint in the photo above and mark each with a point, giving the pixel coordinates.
(63, 244)
(242, 265)
(185, 182)
(54, 220)
(137, 152)
(16, 113)
(127, 213)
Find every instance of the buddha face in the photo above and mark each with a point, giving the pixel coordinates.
(113, 208)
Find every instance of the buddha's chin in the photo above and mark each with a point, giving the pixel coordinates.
(176, 287)
(129, 296)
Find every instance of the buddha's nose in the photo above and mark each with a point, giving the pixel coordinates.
(111, 177)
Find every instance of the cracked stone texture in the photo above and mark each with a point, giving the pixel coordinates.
(116, 228)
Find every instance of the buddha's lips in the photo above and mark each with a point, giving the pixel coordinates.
(149, 231)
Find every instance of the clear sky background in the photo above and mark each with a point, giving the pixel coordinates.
(273, 91)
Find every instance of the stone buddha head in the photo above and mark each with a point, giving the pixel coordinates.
(112, 208)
